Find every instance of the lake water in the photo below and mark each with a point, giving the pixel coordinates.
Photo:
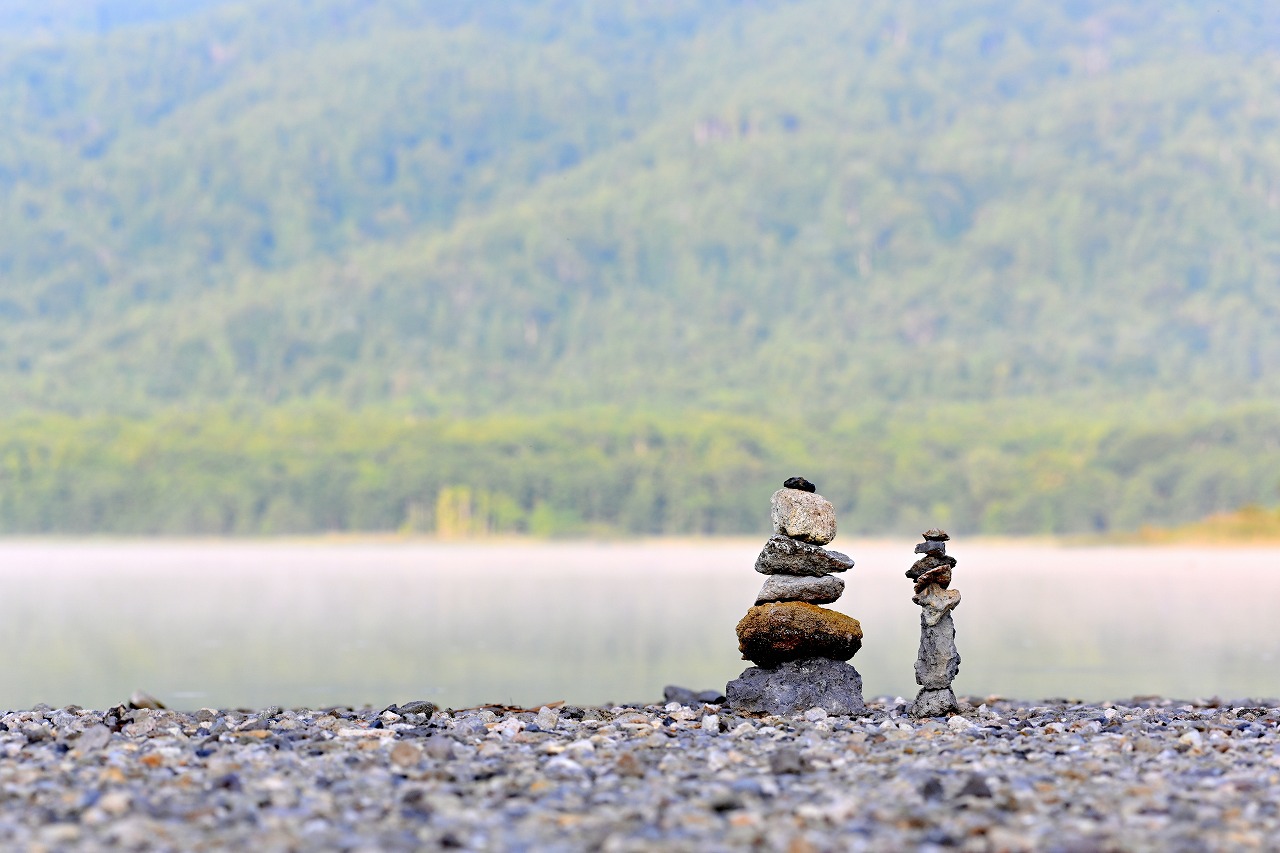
(317, 624)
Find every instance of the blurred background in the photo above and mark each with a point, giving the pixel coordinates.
(564, 268)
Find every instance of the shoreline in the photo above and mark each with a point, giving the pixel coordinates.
(1147, 773)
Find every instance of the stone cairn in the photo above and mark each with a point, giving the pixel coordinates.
(938, 661)
(800, 649)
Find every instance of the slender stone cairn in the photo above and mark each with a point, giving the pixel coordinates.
(800, 649)
(938, 661)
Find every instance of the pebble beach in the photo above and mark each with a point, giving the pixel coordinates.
(1143, 774)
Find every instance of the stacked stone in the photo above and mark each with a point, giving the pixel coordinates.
(938, 661)
(800, 649)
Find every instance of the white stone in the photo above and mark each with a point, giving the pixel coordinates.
(509, 727)
(806, 516)
(548, 719)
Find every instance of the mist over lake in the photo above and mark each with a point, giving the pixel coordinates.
(316, 624)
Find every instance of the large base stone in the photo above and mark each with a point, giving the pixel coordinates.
(797, 686)
(934, 703)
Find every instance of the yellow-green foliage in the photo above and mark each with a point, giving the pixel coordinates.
(1248, 524)
(299, 469)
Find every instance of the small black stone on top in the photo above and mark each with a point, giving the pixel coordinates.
(799, 483)
(933, 534)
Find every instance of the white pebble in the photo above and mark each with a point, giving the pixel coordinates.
(509, 728)
(548, 719)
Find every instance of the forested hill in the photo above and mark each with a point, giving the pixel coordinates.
(1028, 233)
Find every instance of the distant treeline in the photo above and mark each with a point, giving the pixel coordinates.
(320, 468)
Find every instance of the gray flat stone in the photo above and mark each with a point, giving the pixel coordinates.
(806, 516)
(783, 555)
(94, 737)
(815, 590)
(797, 686)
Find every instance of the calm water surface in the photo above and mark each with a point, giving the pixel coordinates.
(249, 625)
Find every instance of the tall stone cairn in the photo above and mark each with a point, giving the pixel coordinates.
(938, 661)
(800, 649)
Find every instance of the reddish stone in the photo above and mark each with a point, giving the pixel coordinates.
(940, 576)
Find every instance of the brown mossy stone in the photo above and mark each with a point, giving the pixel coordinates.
(777, 632)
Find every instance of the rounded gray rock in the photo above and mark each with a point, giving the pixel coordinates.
(806, 516)
(934, 703)
(815, 590)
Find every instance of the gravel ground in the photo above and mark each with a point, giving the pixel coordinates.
(1136, 775)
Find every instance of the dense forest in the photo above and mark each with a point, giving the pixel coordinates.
(554, 266)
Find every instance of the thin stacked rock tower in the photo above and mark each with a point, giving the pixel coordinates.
(938, 661)
(800, 649)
